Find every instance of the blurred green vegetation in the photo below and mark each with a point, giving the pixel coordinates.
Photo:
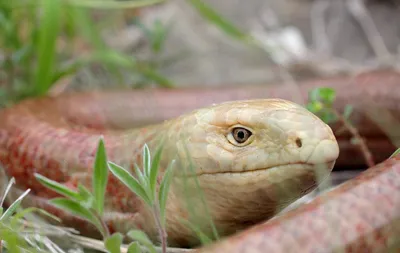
(43, 42)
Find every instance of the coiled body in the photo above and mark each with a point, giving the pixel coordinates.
(57, 137)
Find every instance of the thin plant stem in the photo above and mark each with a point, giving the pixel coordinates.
(105, 231)
(360, 141)
(160, 227)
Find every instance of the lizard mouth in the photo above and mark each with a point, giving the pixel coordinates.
(299, 165)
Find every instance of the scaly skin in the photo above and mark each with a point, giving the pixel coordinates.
(372, 95)
(361, 215)
(242, 183)
(236, 201)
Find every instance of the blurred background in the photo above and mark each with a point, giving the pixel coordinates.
(53, 46)
(50, 46)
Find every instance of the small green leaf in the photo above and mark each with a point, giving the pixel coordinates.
(314, 95)
(164, 188)
(348, 109)
(155, 165)
(142, 238)
(129, 181)
(134, 248)
(76, 209)
(315, 106)
(14, 206)
(140, 175)
(84, 192)
(139, 236)
(395, 153)
(57, 187)
(144, 182)
(86, 196)
(100, 176)
(113, 243)
(326, 95)
(146, 160)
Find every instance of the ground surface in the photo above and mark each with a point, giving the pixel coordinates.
(333, 36)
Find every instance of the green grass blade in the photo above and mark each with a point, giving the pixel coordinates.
(100, 177)
(9, 185)
(204, 239)
(200, 193)
(87, 28)
(164, 188)
(14, 206)
(212, 16)
(155, 166)
(159, 36)
(112, 58)
(114, 4)
(103, 56)
(395, 153)
(129, 181)
(18, 216)
(156, 77)
(113, 243)
(57, 187)
(46, 47)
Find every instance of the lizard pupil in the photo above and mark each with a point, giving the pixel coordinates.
(241, 135)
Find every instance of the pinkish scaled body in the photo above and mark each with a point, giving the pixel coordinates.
(364, 212)
(359, 216)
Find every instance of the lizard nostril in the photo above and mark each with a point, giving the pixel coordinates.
(299, 143)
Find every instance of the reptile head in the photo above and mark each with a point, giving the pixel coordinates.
(253, 158)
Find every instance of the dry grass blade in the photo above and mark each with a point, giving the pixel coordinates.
(94, 244)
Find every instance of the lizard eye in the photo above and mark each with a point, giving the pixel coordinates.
(239, 135)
